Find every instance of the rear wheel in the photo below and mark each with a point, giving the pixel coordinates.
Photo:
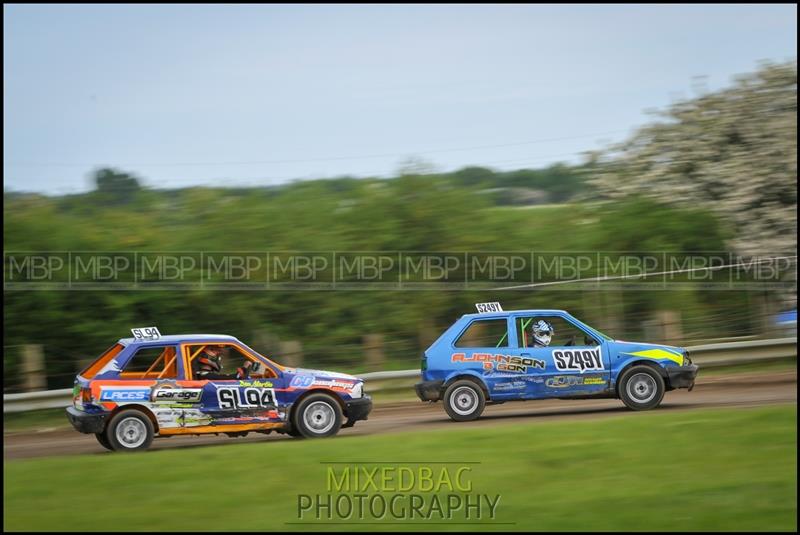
(641, 388)
(130, 430)
(317, 415)
(464, 401)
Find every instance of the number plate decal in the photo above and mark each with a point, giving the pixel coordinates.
(146, 333)
(488, 307)
(578, 360)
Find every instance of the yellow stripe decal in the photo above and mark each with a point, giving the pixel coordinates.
(660, 354)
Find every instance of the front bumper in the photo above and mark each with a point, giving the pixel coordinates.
(429, 390)
(357, 409)
(86, 422)
(682, 377)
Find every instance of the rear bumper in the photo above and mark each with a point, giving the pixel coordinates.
(682, 377)
(86, 422)
(357, 409)
(429, 390)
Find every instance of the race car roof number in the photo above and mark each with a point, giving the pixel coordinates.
(488, 307)
(146, 333)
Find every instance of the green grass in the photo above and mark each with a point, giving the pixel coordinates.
(725, 469)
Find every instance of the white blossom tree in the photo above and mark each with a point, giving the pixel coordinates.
(733, 151)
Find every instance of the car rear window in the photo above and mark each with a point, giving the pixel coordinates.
(152, 362)
(101, 361)
(485, 333)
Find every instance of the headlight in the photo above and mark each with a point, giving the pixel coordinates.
(357, 391)
(686, 360)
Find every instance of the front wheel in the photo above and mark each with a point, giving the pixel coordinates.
(641, 388)
(318, 415)
(464, 401)
(129, 430)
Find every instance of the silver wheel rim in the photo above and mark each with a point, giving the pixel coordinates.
(464, 401)
(131, 432)
(641, 387)
(319, 417)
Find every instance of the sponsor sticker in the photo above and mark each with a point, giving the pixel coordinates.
(302, 381)
(256, 383)
(513, 385)
(170, 395)
(594, 381)
(500, 363)
(566, 381)
(334, 383)
(125, 394)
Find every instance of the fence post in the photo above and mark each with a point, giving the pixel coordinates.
(265, 342)
(426, 335)
(669, 324)
(292, 353)
(33, 370)
(373, 351)
(766, 311)
(613, 312)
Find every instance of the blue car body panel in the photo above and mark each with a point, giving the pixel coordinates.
(515, 372)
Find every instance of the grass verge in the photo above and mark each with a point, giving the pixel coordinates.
(721, 469)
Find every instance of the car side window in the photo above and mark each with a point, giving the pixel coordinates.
(564, 332)
(232, 358)
(485, 333)
(154, 362)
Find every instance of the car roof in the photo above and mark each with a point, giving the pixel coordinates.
(178, 338)
(522, 311)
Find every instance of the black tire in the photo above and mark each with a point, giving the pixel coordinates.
(101, 438)
(641, 388)
(317, 416)
(464, 401)
(130, 430)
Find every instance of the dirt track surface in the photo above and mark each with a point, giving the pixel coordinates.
(736, 390)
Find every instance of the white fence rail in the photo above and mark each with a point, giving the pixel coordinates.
(706, 355)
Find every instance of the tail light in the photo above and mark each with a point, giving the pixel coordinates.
(424, 363)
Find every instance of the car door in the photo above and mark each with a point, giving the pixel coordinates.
(573, 364)
(239, 401)
(482, 348)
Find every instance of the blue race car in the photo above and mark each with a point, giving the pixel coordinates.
(496, 356)
(150, 386)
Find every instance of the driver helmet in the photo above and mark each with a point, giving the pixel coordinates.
(211, 359)
(542, 332)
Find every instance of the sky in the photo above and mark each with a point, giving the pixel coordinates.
(250, 95)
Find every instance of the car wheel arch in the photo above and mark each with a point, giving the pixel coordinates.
(640, 362)
(468, 377)
(141, 408)
(311, 391)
